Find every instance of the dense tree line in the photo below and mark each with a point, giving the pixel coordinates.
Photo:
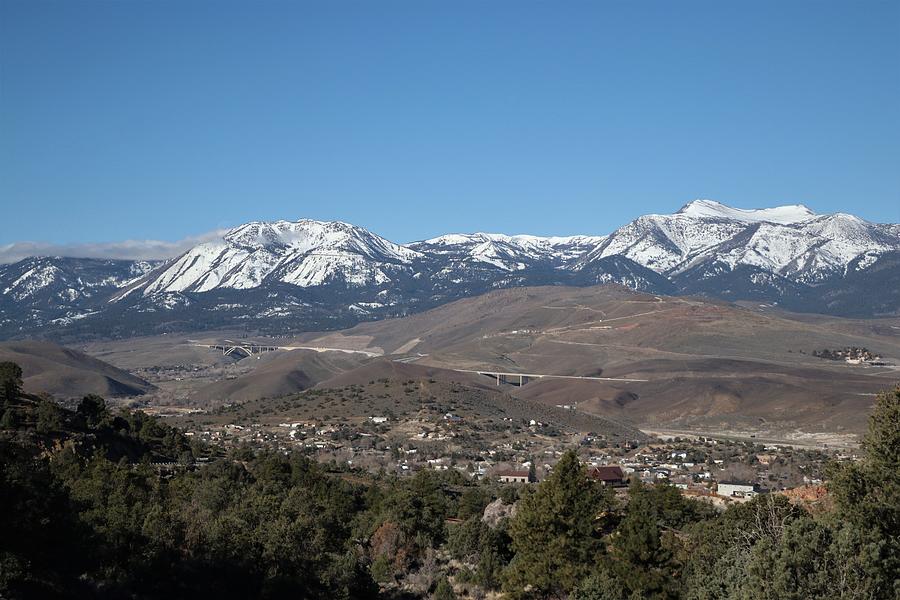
(85, 511)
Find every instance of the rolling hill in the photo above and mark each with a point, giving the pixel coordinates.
(697, 362)
(279, 375)
(67, 373)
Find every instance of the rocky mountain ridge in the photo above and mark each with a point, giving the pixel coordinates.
(299, 274)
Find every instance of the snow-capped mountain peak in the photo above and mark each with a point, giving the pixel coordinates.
(302, 253)
(314, 272)
(792, 213)
(509, 252)
(789, 241)
(307, 235)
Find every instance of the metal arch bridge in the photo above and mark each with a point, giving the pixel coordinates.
(247, 349)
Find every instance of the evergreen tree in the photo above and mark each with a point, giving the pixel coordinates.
(869, 491)
(639, 558)
(49, 416)
(9, 420)
(348, 579)
(867, 495)
(553, 532)
(10, 382)
(92, 409)
(472, 503)
(600, 586)
(814, 559)
(443, 590)
(718, 551)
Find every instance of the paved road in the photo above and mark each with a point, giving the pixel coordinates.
(547, 376)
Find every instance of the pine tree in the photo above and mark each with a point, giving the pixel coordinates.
(868, 492)
(553, 533)
(9, 420)
(92, 409)
(882, 446)
(443, 590)
(49, 416)
(867, 495)
(639, 558)
(10, 382)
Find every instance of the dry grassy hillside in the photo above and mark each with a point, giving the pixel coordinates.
(67, 373)
(700, 363)
(382, 387)
(279, 375)
(706, 363)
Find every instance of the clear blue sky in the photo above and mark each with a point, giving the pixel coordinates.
(156, 119)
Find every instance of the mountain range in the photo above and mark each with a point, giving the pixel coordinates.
(283, 276)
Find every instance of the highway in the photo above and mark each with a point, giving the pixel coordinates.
(522, 377)
(250, 349)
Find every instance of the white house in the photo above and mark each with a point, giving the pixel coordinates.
(736, 489)
(514, 476)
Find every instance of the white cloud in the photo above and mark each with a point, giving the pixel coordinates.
(127, 249)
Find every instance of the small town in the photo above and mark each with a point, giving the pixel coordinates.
(852, 355)
(524, 450)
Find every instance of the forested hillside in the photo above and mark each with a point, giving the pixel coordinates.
(96, 503)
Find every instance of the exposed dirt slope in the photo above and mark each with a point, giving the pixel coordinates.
(280, 375)
(67, 373)
(705, 362)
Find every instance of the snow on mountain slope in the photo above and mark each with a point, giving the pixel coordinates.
(795, 213)
(53, 291)
(49, 279)
(790, 241)
(509, 252)
(661, 242)
(834, 242)
(302, 253)
(313, 273)
(847, 236)
(32, 280)
(765, 245)
(307, 235)
(314, 269)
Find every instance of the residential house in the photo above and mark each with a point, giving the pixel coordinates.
(514, 476)
(611, 475)
(736, 489)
